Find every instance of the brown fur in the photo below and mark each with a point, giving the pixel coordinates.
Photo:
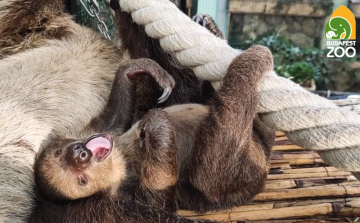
(125, 102)
(227, 149)
(103, 209)
(232, 134)
(134, 40)
(56, 77)
(40, 23)
(159, 166)
(35, 22)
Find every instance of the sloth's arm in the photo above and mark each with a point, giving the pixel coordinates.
(158, 174)
(124, 99)
(228, 165)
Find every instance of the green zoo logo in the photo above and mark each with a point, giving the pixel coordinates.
(340, 33)
(338, 28)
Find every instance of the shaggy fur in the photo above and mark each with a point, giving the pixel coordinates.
(60, 76)
(103, 209)
(136, 203)
(125, 101)
(134, 40)
(189, 156)
(27, 24)
(55, 77)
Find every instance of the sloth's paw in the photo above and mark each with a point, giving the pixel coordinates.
(139, 67)
(208, 22)
(156, 131)
(202, 19)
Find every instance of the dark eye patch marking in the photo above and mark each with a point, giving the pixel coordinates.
(57, 153)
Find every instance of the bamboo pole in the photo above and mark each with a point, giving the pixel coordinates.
(298, 162)
(281, 210)
(280, 213)
(309, 170)
(307, 175)
(287, 147)
(281, 138)
(275, 155)
(276, 185)
(311, 192)
(306, 183)
(283, 165)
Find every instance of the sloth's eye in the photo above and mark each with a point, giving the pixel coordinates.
(83, 181)
(57, 153)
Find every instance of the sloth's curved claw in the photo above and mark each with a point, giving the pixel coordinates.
(165, 95)
(205, 21)
(201, 19)
(197, 18)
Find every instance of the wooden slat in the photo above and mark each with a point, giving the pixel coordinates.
(279, 133)
(324, 181)
(286, 148)
(309, 170)
(276, 185)
(307, 175)
(283, 166)
(280, 213)
(300, 188)
(306, 161)
(281, 138)
(254, 207)
(311, 192)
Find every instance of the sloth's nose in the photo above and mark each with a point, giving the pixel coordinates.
(78, 155)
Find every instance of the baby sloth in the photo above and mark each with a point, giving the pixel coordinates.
(188, 156)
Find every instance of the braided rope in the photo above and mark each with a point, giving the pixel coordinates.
(310, 121)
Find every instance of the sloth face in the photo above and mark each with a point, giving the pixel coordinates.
(70, 169)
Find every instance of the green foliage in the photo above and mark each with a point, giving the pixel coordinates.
(300, 64)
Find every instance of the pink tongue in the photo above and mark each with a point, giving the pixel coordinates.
(99, 146)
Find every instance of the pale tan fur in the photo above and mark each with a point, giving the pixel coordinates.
(160, 179)
(184, 117)
(225, 142)
(57, 87)
(99, 176)
(193, 114)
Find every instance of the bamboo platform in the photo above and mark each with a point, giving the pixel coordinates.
(299, 188)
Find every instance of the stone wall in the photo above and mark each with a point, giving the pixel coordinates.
(301, 21)
(302, 31)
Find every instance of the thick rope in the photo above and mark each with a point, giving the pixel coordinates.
(310, 121)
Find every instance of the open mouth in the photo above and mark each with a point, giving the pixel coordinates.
(100, 145)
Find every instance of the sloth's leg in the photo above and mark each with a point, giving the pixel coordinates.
(158, 174)
(124, 98)
(228, 165)
(207, 90)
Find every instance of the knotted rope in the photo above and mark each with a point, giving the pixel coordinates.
(310, 121)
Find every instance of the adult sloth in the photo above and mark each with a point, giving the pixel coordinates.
(55, 77)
